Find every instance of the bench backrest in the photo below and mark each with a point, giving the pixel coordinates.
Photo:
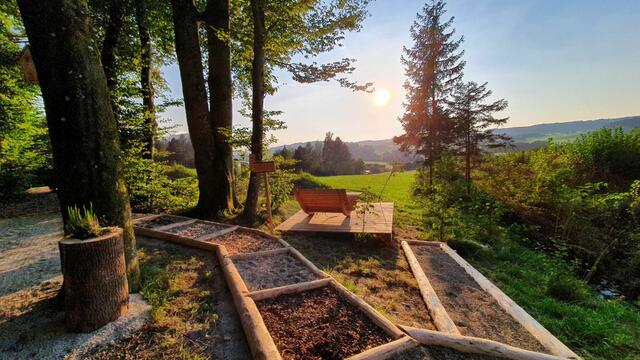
(323, 200)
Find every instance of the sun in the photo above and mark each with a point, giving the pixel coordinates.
(381, 97)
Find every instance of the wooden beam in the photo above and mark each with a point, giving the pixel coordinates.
(208, 237)
(438, 313)
(386, 351)
(288, 289)
(371, 313)
(244, 256)
(468, 344)
(538, 331)
(258, 337)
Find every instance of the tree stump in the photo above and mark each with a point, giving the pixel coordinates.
(95, 281)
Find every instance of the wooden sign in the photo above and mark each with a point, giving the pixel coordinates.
(264, 167)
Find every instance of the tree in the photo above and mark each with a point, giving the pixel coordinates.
(474, 121)
(281, 30)
(433, 67)
(24, 153)
(146, 85)
(208, 118)
(82, 128)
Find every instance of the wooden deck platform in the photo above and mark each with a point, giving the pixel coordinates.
(378, 220)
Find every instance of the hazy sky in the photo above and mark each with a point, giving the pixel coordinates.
(552, 60)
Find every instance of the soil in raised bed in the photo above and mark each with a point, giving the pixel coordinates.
(319, 324)
(161, 220)
(474, 311)
(265, 272)
(196, 229)
(240, 242)
(438, 353)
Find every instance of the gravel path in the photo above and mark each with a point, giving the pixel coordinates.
(29, 251)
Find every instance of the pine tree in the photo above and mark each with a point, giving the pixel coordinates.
(474, 121)
(433, 67)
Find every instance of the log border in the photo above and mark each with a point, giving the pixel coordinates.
(468, 344)
(548, 340)
(439, 315)
(387, 350)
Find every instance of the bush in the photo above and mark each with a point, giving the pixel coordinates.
(567, 288)
(469, 248)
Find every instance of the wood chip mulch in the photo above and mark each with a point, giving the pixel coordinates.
(265, 272)
(474, 311)
(319, 324)
(240, 242)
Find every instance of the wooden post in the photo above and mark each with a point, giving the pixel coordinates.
(264, 167)
(268, 200)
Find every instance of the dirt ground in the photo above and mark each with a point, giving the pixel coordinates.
(438, 353)
(265, 272)
(319, 324)
(193, 316)
(196, 229)
(473, 310)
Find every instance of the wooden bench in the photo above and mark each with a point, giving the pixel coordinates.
(326, 201)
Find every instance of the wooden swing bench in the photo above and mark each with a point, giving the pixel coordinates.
(326, 201)
(337, 211)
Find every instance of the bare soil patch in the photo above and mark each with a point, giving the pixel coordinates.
(161, 220)
(265, 272)
(240, 242)
(319, 324)
(32, 203)
(196, 229)
(474, 311)
(438, 353)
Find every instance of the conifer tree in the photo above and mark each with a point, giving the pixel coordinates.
(474, 121)
(433, 67)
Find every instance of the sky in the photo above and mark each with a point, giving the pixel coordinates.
(553, 61)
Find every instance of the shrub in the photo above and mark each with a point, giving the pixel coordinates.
(83, 224)
(469, 248)
(567, 288)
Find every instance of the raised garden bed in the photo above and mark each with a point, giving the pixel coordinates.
(243, 241)
(158, 221)
(273, 270)
(196, 229)
(474, 311)
(319, 324)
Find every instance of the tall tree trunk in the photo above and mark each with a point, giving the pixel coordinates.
(185, 19)
(110, 45)
(220, 96)
(257, 105)
(467, 172)
(151, 125)
(82, 129)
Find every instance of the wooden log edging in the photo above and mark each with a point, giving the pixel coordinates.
(387, 350)
(208, 237)
(288, 289)
(438, 314)
(468, 344)
(244, 256)
(258, 337)
(546, 338)
(371, 313)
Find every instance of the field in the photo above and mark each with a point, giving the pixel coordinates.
(594, 328)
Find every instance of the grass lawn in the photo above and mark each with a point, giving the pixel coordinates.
(592, 327)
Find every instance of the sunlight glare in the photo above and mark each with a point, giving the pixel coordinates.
(381, 97)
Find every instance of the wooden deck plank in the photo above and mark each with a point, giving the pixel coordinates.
(378, 220)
